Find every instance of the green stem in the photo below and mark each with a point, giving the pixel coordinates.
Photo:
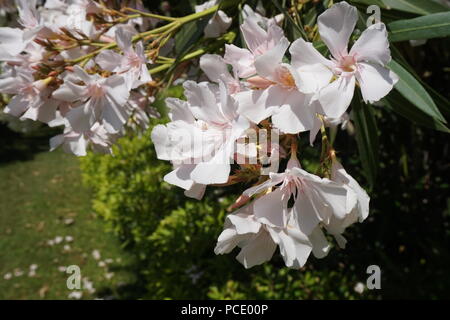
(189, 56)
(168, 28)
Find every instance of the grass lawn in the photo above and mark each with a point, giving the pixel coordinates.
(46, 224)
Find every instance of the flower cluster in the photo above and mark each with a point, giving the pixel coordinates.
(84, 65)
(211, 137)
(48, 71)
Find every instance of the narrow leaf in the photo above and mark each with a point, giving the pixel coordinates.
(431, 26)
(413, 91)
(397, 103)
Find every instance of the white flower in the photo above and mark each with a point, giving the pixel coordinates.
(258, 238)
(132, 64)
(78, 142)
(364, 63)
(96, 254)
(75, 295)
(218, 24)
(336, 226)
(201, 137)
(99, 99)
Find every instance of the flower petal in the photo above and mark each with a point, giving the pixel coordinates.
(375, 81)
(373, 45)
(335, 27)
(337, 96)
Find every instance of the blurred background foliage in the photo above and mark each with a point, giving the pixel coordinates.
(407, 233)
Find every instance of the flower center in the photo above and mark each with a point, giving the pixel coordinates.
(96, 90)
(285, 77)
(348, 64)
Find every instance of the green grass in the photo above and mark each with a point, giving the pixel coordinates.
(38, 199)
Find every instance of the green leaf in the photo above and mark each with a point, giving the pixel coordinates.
(432, 26)
(188, 35)
(297, 30)
(422, 7)
(366, 134)
(397, 103)
(441, 101)
(413, 91)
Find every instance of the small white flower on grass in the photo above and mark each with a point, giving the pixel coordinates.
(62, 269)
(75, 295)
(359, 288)
(96, 254)
(109, 261)
(32, 274)
(109, 275)
(101, 264)
(7, 276)
(58, 239)
(67, 248)
(51, 242)
(33, 266)
(18, 272)
(69, 238)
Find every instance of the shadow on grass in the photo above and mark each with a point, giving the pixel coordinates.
(130, 290)
(23, 147)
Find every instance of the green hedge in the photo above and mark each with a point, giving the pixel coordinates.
(173, 237)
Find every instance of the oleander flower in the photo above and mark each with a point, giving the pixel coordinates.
(132, 64)
(365, 63)
(201, 136)
(258, 238)
(95, 99)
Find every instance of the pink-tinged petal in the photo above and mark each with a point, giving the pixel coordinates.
(160, 139)
(271, 209)
(257, 251)
(274, 180)
(254, 35)
(123, 39)
(48, 110)
(70, 92)
(295, 115)
(81, 118)
(114, 116)
(242, 60)
(117, 89)
(306, 213)
(337, 96)
(75, 145)
(211, 173)
(109, 60)
(310, 79)
(320, 245)
(304, 54)
(375, 81)
(267, 63)
(203, 102)
(215, 68)
(82, 74)
(179, 110)
(17, 106)
(181, 176)
(244, 223)
(336, 26)
(217, 25)
(294, 251)
(258, 105)
(11, 42)
(197, 191)
(339, 175)
(56, 141)
(373, 45)
(333, 195)
(228, 240)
